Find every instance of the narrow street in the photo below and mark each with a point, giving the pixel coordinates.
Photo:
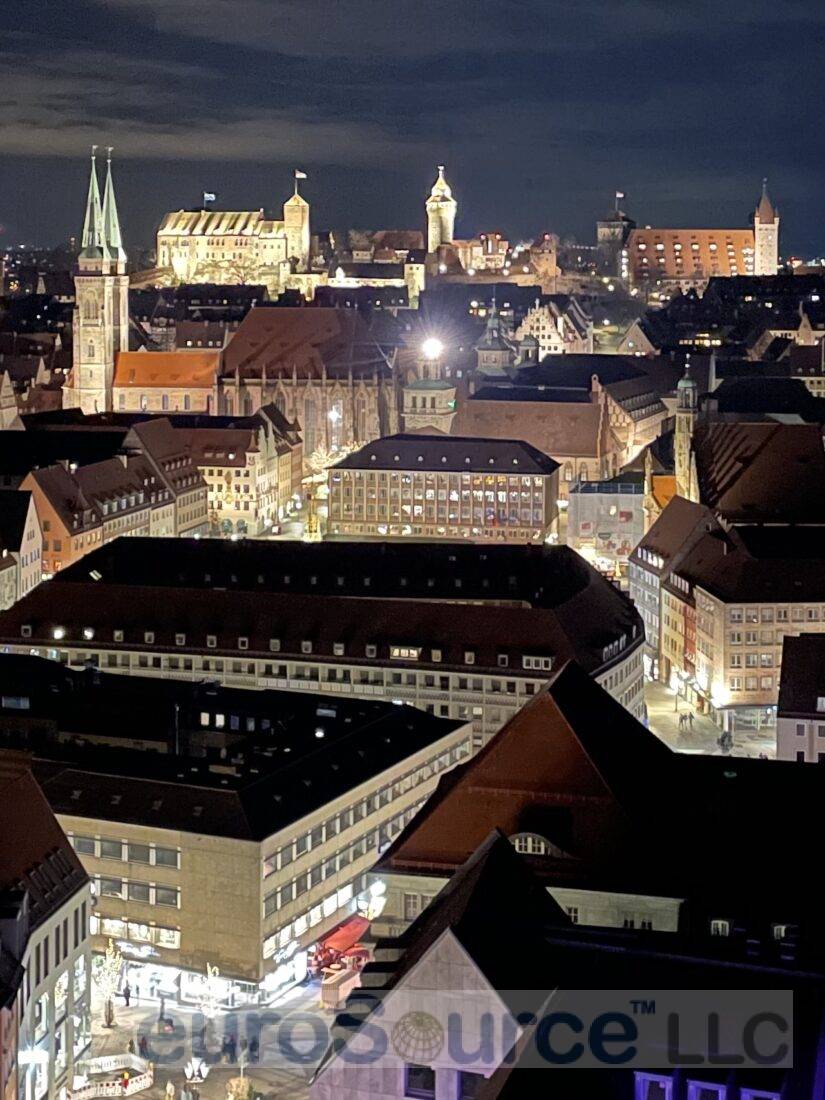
(300, 1022)
(664, 710)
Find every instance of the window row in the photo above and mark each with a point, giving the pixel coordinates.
(374, 840)
(152, 855)
(149, 893)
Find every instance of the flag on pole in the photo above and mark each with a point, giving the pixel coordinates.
(299, 175)
(620, 194)
(209, 196)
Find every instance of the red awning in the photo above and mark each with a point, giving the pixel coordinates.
(348, 934)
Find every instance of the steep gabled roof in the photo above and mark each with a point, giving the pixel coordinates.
(570, 767)
(34, 851)
(762, 471)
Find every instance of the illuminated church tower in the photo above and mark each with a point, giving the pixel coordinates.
(101, 314)
(766, 235)
(687, 406)
(441, 211)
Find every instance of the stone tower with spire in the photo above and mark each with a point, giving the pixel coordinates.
(296, 227)
(687, 407)
(101, 314)
(766, 235)
(441, 211)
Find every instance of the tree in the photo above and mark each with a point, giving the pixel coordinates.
(107, 979)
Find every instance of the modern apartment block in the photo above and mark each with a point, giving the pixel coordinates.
(247, 824)
(464, 631)
(435, 486)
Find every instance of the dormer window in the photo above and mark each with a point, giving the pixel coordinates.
(243, 643)
(306, 647)
(180, 639)
(25, 631)
(469, 657)
(338, 649)
(503, 660)
(211, 641)
(720, 927)
(371, 651)
(117, 635)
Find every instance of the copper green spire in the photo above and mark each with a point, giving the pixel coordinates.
(112, 240)
(93, 225)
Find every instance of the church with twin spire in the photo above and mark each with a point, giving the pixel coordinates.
(101, 314)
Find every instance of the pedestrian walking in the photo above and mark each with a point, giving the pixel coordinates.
(143, 1047)
(232, 1048)
(127, 993)
(690, 721)
(162, 1006)
(130, 1047)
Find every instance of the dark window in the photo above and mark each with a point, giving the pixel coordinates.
(139, 891)
(419, 1081)
(469, 1085)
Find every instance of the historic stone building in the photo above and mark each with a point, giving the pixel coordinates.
(231, 246)
(441, 212)
(101, 315)
(682, 258)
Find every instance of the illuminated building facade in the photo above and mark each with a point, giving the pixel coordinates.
(435, 487)
(279, 829)
(229, 246)
(464, 631)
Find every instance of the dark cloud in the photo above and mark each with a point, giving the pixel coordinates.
(540, 108)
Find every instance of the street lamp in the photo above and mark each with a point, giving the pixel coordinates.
(432, 348)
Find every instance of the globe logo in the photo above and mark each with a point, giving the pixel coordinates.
(417, 1037)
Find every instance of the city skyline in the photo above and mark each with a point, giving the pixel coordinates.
(205, 102)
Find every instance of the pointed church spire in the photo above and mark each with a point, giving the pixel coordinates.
(92, 244)
(766, 212)
(112, 240)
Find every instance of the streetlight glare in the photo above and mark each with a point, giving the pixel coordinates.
(432, 348)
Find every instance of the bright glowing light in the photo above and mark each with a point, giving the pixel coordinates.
(442, 268)
(471, 271)
(334, 415)
(432, 348)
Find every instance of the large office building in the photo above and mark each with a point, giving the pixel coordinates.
(45, 953)
(248, 821)
(464, 631)
(435, 486)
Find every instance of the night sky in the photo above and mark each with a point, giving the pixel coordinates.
(540, 109)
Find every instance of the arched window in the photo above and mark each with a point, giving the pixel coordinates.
(90, 350)
(246, 404)
(89, 309)
(361, 417)
(310, 425)
(582, 471)
(568, 471)
(336, 425)
(280, 402)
